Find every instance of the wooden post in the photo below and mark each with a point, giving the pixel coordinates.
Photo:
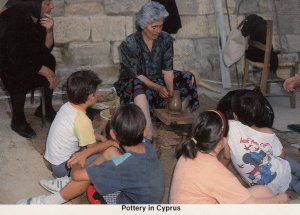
(221, 34)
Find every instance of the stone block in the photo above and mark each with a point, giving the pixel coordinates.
(56, 52)
(289, 24)
(123, 7)
(129, 25)
(197, 54)
(205, 7)
(189, 7)
(276, 43)
(72, 28)
(193, 27)
(83, 8)
(90, 54)
(231, 6)
(184, 48)
(115, 52)
(293, 43)
(59, 8)
(248, 6)
(206, 47)
(212, 30)
(184, 54)
(108, 73)
(108, 28)
(234, 21)
(288, 7)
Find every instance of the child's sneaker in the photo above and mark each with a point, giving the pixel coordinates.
(55, 185)
(39, 200)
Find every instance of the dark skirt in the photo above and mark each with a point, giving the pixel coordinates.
(128, 88)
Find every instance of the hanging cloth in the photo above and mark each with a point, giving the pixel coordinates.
(172, 23)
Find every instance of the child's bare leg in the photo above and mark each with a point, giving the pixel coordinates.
(74, 189)
(260, 191)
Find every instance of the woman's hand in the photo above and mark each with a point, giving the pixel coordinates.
(47, 22)
(163, 92)
(169, 79)
(50, 75)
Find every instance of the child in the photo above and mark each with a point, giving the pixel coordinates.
(71, 129)
(256, 152)
(266, 119)
(130, 170)
(200, 178)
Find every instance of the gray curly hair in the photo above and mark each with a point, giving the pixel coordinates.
(149, 13)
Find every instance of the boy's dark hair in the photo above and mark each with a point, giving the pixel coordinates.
(252, 108)
(208, 129)
(128, 122)
(81, 84)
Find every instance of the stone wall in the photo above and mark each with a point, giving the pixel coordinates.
(88, 33)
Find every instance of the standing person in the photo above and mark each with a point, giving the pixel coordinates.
(147, 77)
(127, 173)
(289, 85)
(199, 177)
(26, 40)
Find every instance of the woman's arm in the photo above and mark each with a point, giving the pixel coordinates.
(48, 23)
(162, 90)
(169, 80)
(50, 75)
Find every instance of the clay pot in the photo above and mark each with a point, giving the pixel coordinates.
(174, 103)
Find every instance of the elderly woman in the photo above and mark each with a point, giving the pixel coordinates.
(26, 40)
(147, 77)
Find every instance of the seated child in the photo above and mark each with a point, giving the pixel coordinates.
(71, 129)
(129, 171)
(199, 177)
(255, 151)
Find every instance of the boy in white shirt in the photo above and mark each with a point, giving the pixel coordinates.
(71, 129)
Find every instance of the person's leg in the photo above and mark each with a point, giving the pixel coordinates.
(17, 105)
(133, 90)
(260, 191)
(43, 83)
(18, 122)
(295, 171)
(69, 192)
(60, 170)
(74, 189)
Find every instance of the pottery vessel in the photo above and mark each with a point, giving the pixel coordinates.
(174, 103)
